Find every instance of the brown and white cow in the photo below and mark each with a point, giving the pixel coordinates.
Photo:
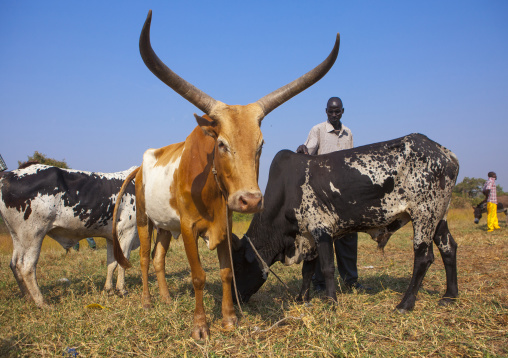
(178, 193)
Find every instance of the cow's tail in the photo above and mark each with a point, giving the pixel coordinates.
(117, 250)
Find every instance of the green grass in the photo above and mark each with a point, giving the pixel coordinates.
(360, 325)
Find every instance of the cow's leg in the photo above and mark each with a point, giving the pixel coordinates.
(229, 319)
(159, 262)
(448, 249)
(200, 328)
(24, 265)
(18, 256)
(308, 269)
(424, 256)
(144, 233)
(126, 245)
(326, 252)
(111, 266)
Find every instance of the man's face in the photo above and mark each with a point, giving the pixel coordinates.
(334, 111)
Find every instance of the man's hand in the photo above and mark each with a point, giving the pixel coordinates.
(302, 149)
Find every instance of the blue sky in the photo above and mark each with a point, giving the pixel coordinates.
(73, 85)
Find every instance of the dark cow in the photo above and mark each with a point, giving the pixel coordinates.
(377, 189)
(67, 205)
(502, 207)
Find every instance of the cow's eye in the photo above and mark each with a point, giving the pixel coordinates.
(222, 146)
(260, 146)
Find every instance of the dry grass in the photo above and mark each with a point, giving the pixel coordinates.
(360, 325)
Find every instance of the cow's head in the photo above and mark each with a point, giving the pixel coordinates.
(248, 272)
(235, 128)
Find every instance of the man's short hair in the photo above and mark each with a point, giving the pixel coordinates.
(492, 174)
(334, 99)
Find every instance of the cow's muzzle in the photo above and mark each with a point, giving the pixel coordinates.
(246, 202)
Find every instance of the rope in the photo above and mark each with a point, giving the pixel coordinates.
(224, 195)
(267, 268)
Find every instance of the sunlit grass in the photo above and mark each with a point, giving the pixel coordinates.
(361, 324)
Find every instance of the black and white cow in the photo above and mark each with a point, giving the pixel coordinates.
(377, 189)
(67, 205)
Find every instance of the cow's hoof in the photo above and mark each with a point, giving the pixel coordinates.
(229, 324)
(445, 301)
(147, 303)
(303, 299)
(403, 310)
(45, 306)
(200, 333)
(109, 291)
(122, 293)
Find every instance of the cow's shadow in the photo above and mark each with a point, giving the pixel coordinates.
(375, 284)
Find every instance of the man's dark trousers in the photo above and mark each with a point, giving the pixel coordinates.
(346, 252)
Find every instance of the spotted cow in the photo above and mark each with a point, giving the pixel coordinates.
(312, 200)
(67, 205)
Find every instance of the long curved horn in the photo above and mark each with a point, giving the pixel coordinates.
(271, 101)
(192, 94)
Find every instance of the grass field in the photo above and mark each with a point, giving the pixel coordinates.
(273, 325)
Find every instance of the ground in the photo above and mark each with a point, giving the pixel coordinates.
(84, 320)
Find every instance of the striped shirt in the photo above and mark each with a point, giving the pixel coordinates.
(491, 184)
(323, 139)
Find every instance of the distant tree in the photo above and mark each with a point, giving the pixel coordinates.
(470, 187)
(472, 190)
(43, 159)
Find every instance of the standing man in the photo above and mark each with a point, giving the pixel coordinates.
(324, 138)
(489, 190)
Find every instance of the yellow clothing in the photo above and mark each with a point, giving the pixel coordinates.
(492, 222)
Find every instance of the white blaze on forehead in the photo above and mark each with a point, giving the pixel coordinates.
(157, 182)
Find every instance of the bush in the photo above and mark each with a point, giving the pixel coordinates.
(460, 202)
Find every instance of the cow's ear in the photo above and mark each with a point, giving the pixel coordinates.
(208, 125)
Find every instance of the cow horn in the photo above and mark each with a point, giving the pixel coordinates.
(192, 94)
(271, 101)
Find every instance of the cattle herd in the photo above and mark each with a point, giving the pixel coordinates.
(190, 189)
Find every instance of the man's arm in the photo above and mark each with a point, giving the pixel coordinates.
(302, 149)
(312, 143)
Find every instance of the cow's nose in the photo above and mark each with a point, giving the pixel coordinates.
(476, 221)
(246, 202)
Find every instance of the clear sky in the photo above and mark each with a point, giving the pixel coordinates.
(73, 85)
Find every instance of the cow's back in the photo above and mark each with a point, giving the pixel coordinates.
(359, 188)
(62, 200)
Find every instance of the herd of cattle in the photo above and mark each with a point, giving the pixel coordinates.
(190, 189)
